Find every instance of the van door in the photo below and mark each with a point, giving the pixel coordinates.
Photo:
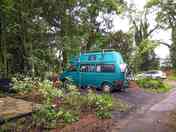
(87, 74)
(105, 72)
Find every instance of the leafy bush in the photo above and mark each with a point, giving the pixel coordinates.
(104, 106)
(154, 85)
(91, 102)
(63, 105)
(68, 116)
(46, 116)
(73, 103)
(49, 113)
(49, 92)
(24, 85)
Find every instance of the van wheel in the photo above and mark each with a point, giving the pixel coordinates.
(107, 87)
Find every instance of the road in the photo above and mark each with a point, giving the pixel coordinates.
(150, 114)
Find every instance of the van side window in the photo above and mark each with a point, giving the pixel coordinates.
(87, 68)
(105, 68)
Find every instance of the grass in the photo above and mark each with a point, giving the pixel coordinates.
(172, 77)
(154, 85)
(159, 90)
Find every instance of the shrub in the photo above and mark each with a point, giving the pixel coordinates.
(49, 92)
(154, 85)
(72, 105)
(49, 113)
(24, 85)
(104, 106)
(68, 116)
(46, 116)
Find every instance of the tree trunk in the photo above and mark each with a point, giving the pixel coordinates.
(3, 48)
(173, 48)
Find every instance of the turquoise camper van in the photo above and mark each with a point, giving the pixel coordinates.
(104, 69)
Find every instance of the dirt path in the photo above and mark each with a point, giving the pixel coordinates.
(150, 114)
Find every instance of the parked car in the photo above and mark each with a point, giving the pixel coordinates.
(102, 69)
(155, 74)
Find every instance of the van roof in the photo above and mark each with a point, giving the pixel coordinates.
(103, 50)
(97, 57)
(100, 52)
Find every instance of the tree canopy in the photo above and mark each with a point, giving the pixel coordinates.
(38, 36)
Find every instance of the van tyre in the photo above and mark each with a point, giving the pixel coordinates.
(107, 87)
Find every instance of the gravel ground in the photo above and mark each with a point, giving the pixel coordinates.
(148, 111)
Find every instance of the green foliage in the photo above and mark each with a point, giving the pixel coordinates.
(166, 19)
(104, 106)
(151, 3)
(142, 53)
(144, 46)
(49, 92)
(24, 85)
(72, 105)
(173, 48)
(154, 85)
(91, 102)
(46, 116)
(67, 116)
(32, 32)
(121, 42)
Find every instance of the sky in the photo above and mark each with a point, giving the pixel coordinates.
(123, 24)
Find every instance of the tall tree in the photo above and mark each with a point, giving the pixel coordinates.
(142, 36)
(121, 42)
(166, 17)
(92, 12)
(33, 31)
(6, 7)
